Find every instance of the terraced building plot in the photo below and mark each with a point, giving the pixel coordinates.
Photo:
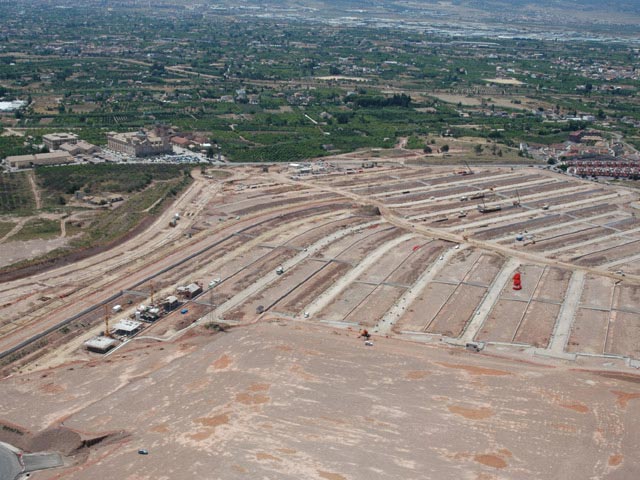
(610, 323)
(527, 316)
(412, 252)
(447, 303)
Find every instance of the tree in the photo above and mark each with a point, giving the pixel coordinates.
(478, 149)
(444, 148)
(427, 149)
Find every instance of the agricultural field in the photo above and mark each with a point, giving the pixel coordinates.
(351, 88)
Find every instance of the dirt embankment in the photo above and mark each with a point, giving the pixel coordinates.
(17, 272)
(63, 440)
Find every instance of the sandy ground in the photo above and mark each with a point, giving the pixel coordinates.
(16, 251)
(278, 400)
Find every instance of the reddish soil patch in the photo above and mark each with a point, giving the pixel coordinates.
(490, 460)
(215, 421)
(624, 397)
(284, 348)
(259, 387)
(485, 476)
(331, 476)
(288, 451)
(563, 427)
(201, 436)
(239, 468)
(221, 363)
(248, 399)
(578, 407)
(266, 456)
(197, 385)
(472, 413)
(51, 388)
(301, 373)
(625, 377)
(473, 370)
(160, 428)
(416, 374)
(615, 460)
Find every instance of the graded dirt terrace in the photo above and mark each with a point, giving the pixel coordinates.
(312, 260)
(432, 263)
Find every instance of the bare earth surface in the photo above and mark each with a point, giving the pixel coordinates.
(282, 401)
(297, 265)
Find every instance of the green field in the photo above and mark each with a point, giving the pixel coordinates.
(15, 194)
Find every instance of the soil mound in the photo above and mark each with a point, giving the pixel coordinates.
(368, 211)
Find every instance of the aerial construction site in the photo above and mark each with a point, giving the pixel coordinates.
(500, 308)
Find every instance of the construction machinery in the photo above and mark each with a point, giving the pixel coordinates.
(484, 208)
(516, 202)
(107, 333)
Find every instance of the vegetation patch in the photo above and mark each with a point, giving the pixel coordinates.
(101, 178)
(38, 228)
(16, 196)
(5, 227)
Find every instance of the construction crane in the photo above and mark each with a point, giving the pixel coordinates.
(468, 171)
(106, 321)
(152, 292)
(516, 203)
(483, 208)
